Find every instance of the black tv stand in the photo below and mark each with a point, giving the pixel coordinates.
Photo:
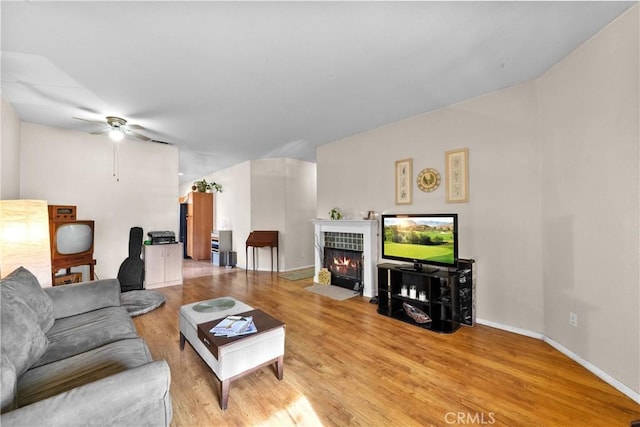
(444, 295)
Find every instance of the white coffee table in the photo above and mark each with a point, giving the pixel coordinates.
(236, 356)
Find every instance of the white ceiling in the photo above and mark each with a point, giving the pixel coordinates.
(231, 81)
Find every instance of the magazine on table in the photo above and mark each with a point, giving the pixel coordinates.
(233, 326)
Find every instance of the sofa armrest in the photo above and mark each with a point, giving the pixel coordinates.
(72, 299)
(135, 397)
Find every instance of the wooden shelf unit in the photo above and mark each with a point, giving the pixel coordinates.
(200, 220)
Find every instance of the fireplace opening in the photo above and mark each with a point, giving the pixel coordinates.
(346, 268)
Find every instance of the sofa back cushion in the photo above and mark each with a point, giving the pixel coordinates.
(22, 340)
(27, 285)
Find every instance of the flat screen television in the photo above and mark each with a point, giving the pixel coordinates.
(71, 239)
(421, 239)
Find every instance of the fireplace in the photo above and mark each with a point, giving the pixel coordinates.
(367, 232)
(345, 266)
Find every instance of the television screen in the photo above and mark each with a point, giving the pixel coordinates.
(421, 239)
(74, 238)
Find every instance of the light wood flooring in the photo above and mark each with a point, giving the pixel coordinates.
(346, 365)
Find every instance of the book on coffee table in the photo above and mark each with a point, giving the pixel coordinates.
(233, 326)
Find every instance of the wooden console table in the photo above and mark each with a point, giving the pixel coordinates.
(262, 239)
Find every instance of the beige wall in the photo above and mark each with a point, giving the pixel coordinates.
(589, 139)
(268, 194)
(499, 227)
(75, 168)
(553, 165)
(283, 198)
(300, 207)
(9, 152)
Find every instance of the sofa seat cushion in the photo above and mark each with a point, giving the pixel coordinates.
(57, 377)
(76, 334)
(25, 283)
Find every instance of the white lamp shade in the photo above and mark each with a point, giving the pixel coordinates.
(116, 134)
(24, 238)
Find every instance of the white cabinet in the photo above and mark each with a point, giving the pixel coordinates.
(162, 265)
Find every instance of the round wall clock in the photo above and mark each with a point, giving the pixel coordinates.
(428, 179)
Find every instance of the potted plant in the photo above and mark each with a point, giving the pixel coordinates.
(203, 186)
(335, 214)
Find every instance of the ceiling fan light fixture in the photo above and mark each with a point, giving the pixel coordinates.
(116, 134)
(117, 128)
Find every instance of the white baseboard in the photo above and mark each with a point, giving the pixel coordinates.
(297, 268)
(633, 395)
(595, 370)
(513, 329)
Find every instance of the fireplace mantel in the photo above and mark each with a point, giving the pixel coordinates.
(369, 230)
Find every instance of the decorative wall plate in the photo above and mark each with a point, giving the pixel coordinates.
(428, 179)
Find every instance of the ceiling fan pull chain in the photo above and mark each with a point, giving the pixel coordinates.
(116, 162)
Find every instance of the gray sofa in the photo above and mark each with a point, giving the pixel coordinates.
(71, 357)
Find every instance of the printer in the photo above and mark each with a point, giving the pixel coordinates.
(162, 237)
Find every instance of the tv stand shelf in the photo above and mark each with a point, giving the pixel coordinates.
(444, 295)
(427, 270)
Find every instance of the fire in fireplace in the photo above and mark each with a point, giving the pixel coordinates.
(345, 266)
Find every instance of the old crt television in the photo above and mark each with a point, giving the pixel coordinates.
(421, 239)
(71, 239)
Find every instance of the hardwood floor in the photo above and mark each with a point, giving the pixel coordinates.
(346, 365)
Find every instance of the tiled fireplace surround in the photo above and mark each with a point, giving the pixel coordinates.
(355, 235)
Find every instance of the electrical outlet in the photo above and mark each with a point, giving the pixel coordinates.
(573, 319)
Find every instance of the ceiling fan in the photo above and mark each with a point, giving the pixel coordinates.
(117, 128)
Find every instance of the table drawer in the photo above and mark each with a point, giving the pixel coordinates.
(203, 338)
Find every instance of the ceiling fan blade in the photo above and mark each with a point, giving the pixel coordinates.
(136, 127)
(90, 121)
(161, 142)
(136, 135)
(100, 132)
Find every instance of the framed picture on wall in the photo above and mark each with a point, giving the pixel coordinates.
(457, 175)
(404, 180)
